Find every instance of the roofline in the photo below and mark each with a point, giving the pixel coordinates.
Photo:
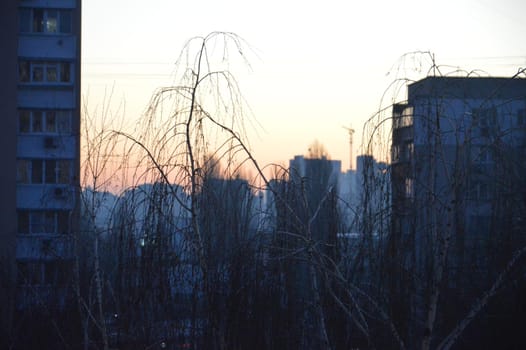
(468, 87)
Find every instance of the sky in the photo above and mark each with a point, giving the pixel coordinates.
(316, 65)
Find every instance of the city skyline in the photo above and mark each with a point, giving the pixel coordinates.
(176, 175)
(308, 63)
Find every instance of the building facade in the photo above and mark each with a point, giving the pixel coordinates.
(40, 107)
(458, 194)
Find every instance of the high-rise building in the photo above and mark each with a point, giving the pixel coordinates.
(458, 192)
(304, 205)
(40, 142)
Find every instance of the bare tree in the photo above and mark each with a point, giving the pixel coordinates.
(201, 115)
(104, 165)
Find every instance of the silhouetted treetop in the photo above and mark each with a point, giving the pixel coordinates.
(317, 151)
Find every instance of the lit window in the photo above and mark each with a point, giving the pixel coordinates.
(51, 21)
(46, 21)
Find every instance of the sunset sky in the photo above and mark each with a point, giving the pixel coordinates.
(316, 65)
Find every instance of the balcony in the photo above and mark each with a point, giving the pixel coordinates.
(31, 196)
(47, 46)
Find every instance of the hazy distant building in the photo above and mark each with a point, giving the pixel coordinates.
(40, 110)
(303, 210)
(316, 169)
(315, 179)
(367, 186)
(458, 187)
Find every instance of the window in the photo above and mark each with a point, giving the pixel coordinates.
(521, 117)
(50, 122)
(36, 169)
(25, 20)
(63, 171)
(53, 272)
(484, 121)
(23, 222)
(395, 153)
(29, 273)
(407, 152)
(37, 121)
(37, 222)
(65, 21)
(409, 188)
(44, 121)
(51, 169)
(23, 171)
(38, 21)
(51, 21)
(44, 72)
(484, 117)
(43, 221)
(479, 226)
(402, 116)
(23, 71)
(403, 152)
(24, 122)
(479, 190)
(482, 159)
(44, 171)
(45, 21)
(482, 154)
(63, 121)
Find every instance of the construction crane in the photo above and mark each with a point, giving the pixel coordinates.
(351, 134)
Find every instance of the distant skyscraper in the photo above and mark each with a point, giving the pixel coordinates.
(40, 142)
(316, 169)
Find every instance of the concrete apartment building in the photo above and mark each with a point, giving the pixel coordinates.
(40, 142)
(458, 189)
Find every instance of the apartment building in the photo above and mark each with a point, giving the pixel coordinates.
(40, 108)
(458, 191)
